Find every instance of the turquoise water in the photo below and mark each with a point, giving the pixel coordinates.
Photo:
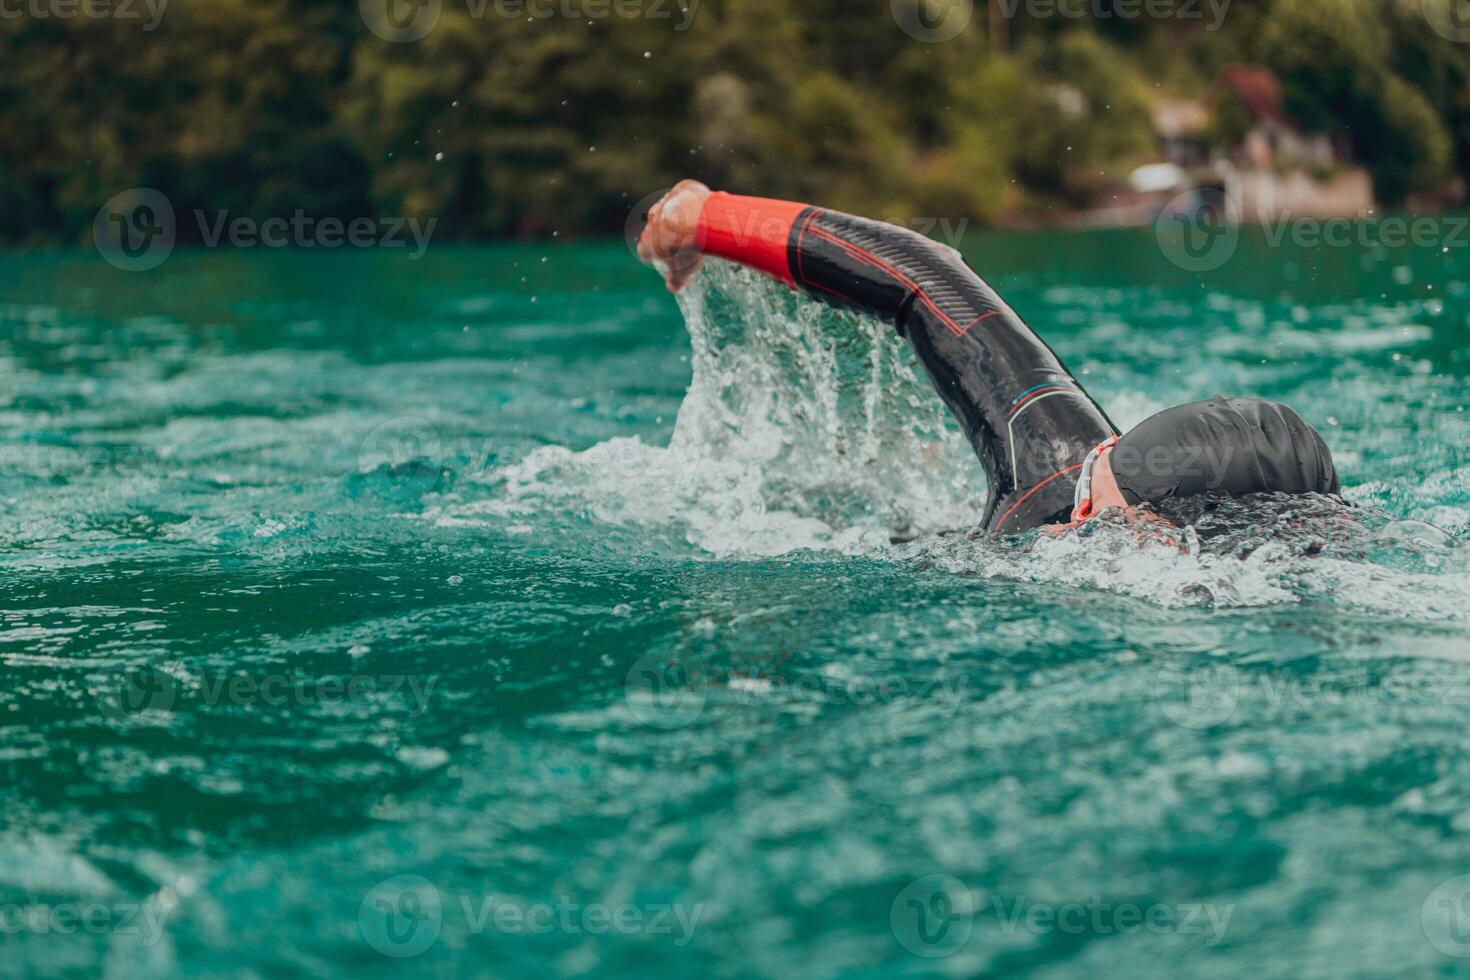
(494, 615)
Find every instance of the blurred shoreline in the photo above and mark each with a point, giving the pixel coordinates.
(1009, 114)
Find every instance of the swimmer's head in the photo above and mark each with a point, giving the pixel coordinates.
(1225, 446)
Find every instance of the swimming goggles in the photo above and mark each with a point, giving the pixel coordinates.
(1082, 499)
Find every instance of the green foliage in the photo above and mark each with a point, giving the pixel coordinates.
(1334, 58)
(1096, 101)
(519, 125)
(1230, 120)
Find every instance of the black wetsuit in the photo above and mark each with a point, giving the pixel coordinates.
(1030, 422)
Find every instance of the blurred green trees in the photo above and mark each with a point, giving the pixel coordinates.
(503, 121)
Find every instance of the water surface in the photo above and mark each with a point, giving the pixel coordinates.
(495, 615)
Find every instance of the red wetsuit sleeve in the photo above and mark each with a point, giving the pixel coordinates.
(754, 231)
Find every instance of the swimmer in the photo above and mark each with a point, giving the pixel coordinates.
(1051, 455)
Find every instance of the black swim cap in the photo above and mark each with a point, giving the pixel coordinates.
(1227, 446)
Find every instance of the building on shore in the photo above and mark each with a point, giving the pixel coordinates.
(1241, 143)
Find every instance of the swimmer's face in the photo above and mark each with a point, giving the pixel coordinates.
(1105, 492)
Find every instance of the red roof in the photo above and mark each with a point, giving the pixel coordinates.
(1258, 89)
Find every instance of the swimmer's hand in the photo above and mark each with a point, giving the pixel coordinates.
(670, 235)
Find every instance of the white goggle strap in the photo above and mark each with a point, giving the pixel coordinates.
(1082, 498)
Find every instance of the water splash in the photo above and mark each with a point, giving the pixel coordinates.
(809, 429)
(802, 428)
(1269, 549)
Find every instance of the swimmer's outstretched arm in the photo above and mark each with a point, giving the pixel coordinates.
(1028, 419)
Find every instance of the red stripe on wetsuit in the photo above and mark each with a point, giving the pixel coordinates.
(756, 231)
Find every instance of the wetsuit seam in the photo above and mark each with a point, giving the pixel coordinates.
(1011, 422)
(1036, 393)
(1027, 495)
(828, 289)
(868, 258)
(983, 316)
(811, 215)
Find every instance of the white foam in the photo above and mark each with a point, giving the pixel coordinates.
(802, 428)
(808, 429)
